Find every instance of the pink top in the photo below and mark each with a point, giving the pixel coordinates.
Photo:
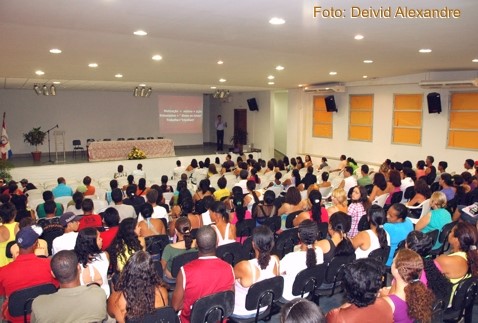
(324, 215)
(247, 216)
(389, 198)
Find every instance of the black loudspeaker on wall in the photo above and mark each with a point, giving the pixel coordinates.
(434, 103)
(252, 103)
(330, 104)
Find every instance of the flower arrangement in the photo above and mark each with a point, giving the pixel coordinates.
(136, 153)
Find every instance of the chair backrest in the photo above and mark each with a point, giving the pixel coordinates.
(434, 235)
(247, 249)
(273, 223)
(276, 189)
(50, 235)
(381, 254)
(289, 221)
(326, 192)
(162, 314)
(369, 188)
(213, 308)
(156, 244)
(443, 237)
(181, 260)
(77, 142)
(335, 268)
(434, 187)
(244, 228)
(20, 302)
(396, 197)
(264, 293)
(308, 280)
(409, 193)
(231, 253)
(323, 230)
(464, 296)
(285, 242)
(380, 200)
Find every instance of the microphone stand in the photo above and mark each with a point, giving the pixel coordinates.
(49, 151)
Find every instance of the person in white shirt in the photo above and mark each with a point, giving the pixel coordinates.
(349, 180)
(407, 178)
(159, 212)
(220, 126)
(178, 170)
(139, 172)
(243, 182)
(70, 221)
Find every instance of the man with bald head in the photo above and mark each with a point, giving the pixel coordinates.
(190, 283)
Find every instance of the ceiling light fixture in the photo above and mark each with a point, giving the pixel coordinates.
(157, 57)
(55, 51)
(220, 62)
(39, 72)
(142, 91)
(368, 61)
(140, 33)
(365, 76)
(93, 65)
(222, 80)
(277, 21)
(358, 37)
(425, 50)
(213, 87)
(279, 68)
(332, 73)
(270, 83)
(271, 77)
(475, 60)
(142, 84)
(221, 94)
(44, 89)
(118, 75)
(56, 82)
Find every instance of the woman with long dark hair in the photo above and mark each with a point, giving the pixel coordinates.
(93, 262)
(358, 208)
(125, 244)
(138, 291)
(337, 244)
(225, 231)
(248, 272)
(411, 301)
(374, 238)
(308, 255)
(317, 212)
(380, 186)
(422, 193)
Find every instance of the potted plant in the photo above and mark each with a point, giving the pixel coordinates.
(35, 137)
(5, 167)
(239, 139)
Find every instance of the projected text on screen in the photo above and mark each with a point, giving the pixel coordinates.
(180, 114)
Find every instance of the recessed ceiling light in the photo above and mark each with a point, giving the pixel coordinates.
(271, 83)
(358, 37)
(55, 51)
(368, 61)
(93, 65)
(271, 77)
(475, 60)
(425, 50)
(119, 75)
(213, 87)
(279, 68)
(276, 21)
(39, 72)
(222, 80)
(142, 84)
(220, 62)
(332, 73)
(300, 85)
(140, 33)
(56, 82)
(365, 76)
(157, 57)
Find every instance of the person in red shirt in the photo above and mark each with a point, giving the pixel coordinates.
(89, 219)
(26, 271)
(111, 220)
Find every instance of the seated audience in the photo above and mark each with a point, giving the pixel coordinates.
(125, 211)
(164, 185)
(138, 291)
(72, 302)
(190, 283)
(422, 193)
(361, 281)
(48, 196)
(225, 231)
(139, 172)
(67, 240)
(317, 213)
(62, 189)
(132, 199)
(222, 193)
(447, 184)
(374, 238)
(111, 222)
(19, 274)
(337, 243)
(120, 172)
(359, 206)
(264, 209)
(89, 219)
(75, 205)
(93, 262)
(325, 180)
(41, 248)
(398, 226)
(380, 187)
(436, 218)
(8, 230)
(142, 189)
(148, 226)
(365, 179)
(339, 202)
(308, 255)
(90, 189)
(309, 177)
(394, 184)
(349, 180)
(248, 272)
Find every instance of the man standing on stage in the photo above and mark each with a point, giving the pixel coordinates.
(220, 125)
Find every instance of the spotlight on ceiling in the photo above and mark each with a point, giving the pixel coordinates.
(142, 91)
(44, 89)
(221, 94)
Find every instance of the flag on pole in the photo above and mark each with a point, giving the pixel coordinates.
(5, 148)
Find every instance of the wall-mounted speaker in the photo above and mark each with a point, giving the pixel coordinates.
(434, 102)
(252, 103)
(330, 104)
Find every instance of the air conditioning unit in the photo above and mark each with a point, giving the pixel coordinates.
(325, 88)
(449, 84)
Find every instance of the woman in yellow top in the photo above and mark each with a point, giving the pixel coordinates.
(463, 261)
(8, 230)
(125, 244)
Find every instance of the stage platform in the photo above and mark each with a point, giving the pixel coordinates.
(73, 170)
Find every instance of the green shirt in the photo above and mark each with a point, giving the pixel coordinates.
(364, 181)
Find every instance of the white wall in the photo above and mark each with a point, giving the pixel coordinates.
(86, 114)
(280, 121)
(434, 126)
(260, 124)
